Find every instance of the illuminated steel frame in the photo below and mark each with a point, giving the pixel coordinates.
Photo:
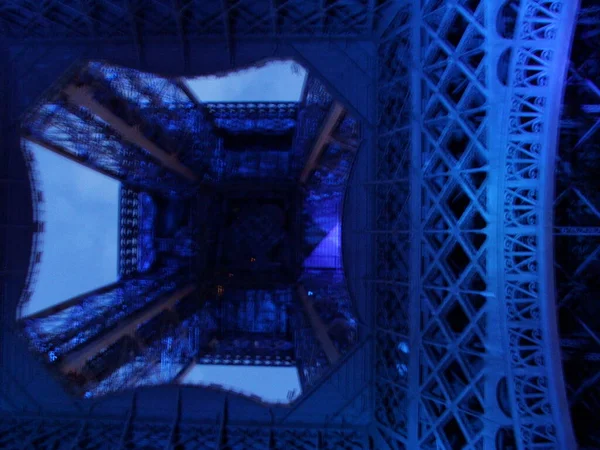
(447, 230)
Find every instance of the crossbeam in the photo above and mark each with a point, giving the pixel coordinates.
(82, 96)
(325, 134)
(318, 326)
(182, 84)
(75, 360)
(184, 371)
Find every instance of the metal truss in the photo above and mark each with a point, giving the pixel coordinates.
(467, 352)
(245, 118)
(469, 96)
(131, 433)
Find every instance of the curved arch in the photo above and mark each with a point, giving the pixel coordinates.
(535, 90)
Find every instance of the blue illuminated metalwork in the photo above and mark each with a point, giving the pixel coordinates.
(129, 232)
(159, 361)
(251, 327)
(311, 360)
(249, 117)
(146, 245)
(323, 274)
(463, 116)
(78, 135)
(57, 334)
(315, 102)
(333, 304)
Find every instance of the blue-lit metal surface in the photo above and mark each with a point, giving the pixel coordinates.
(315, 102)
(164, 352)
(328, 292)
(468, 95)
(245, 118)
(57, 334)
(144, 100)
(311, 360)
(251, 327)
(357, 20)
(129, 232)
(464, 185)
(322, 229)
(81, 136)
(146, 244)
(144, 90)
(323, 276)
(200, 435)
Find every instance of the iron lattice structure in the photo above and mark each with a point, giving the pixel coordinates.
(453, 217)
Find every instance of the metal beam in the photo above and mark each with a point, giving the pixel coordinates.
(181, 84)
(173, 434)
(184, 371)
(82, 96)
(319, 327)
(128, 421)
(72, 301)
(222, 426)
(77, 359)
(334, 115)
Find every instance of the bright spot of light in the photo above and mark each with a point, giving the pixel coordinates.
(403, 347)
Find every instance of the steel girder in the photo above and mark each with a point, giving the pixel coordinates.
(470, 98)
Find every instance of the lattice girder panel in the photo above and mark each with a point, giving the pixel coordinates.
(531, 75)
(392, 225)
(55, 335)
(188, 19)
(195, 437)
(133, 433)
(450, 195)
(238, 438)
(81, 136)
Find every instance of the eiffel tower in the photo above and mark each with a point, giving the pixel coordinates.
(419, 235)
